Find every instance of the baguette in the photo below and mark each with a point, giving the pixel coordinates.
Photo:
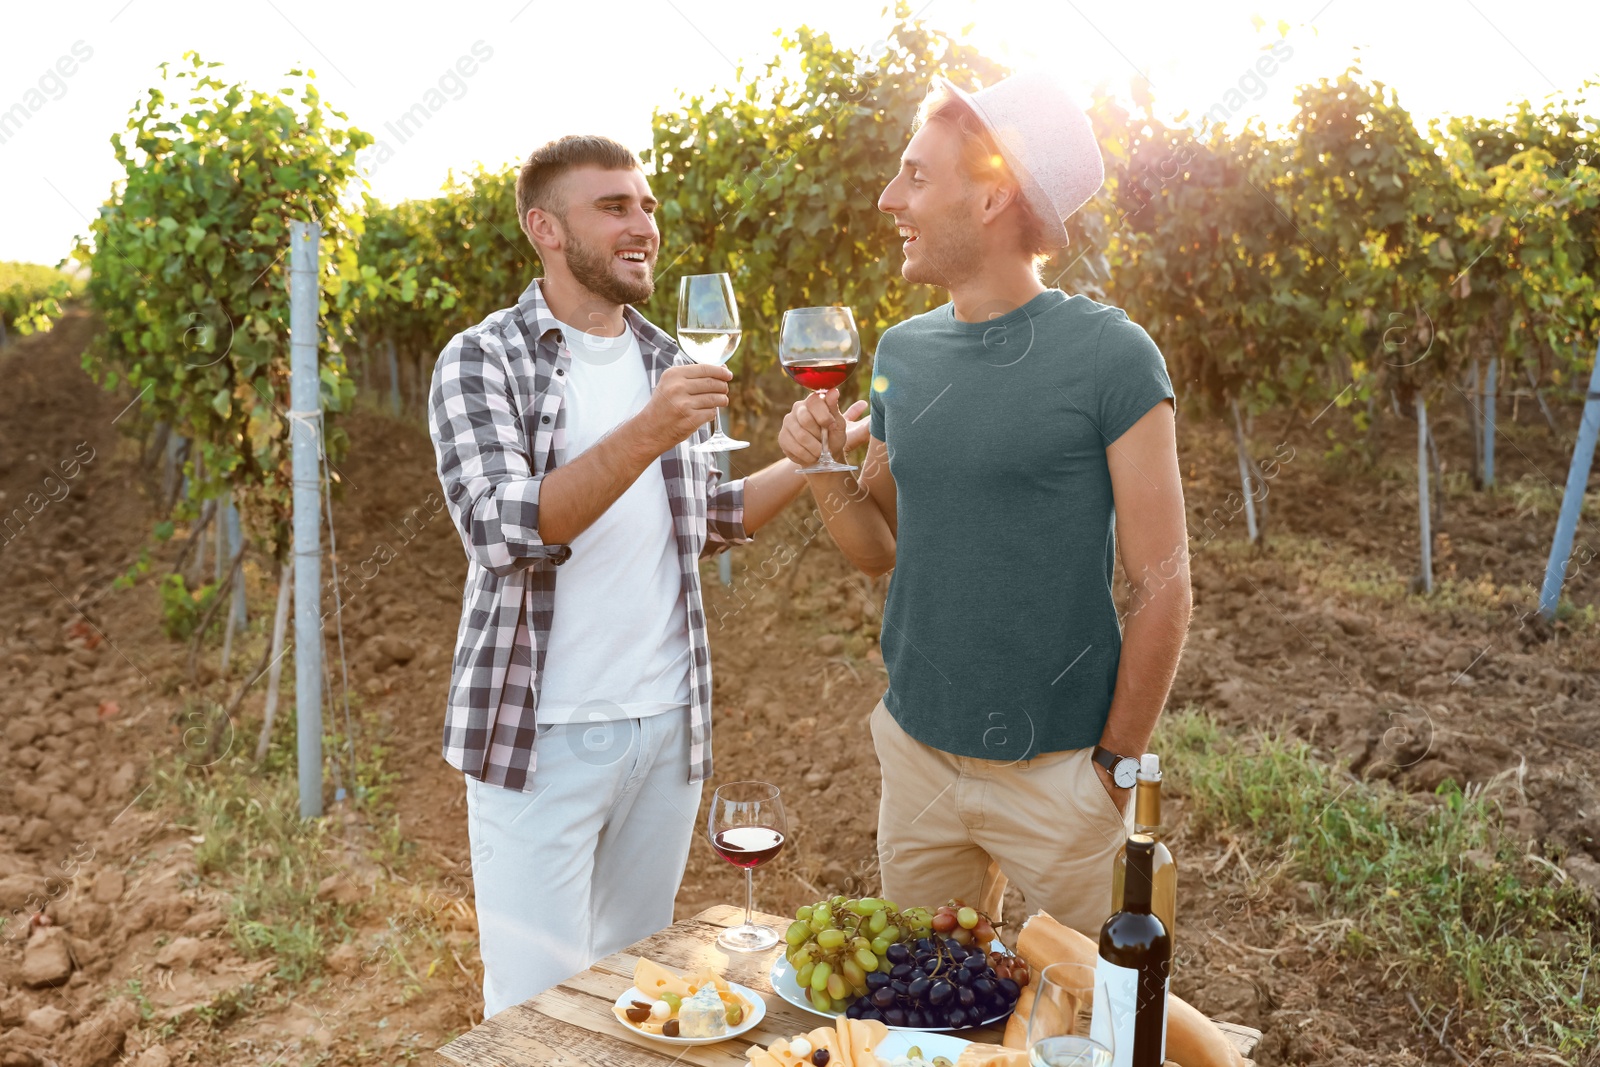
(1192, 1039)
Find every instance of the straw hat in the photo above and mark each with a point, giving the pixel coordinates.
(1045, 139)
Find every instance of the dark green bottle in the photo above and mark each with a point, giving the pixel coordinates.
(1134, 969)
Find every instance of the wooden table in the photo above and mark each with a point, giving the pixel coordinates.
(572, 1025)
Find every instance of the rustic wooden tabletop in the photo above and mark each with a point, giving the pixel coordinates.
(572, 1024)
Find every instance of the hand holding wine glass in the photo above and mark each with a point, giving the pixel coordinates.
(817, 420)
(747, 828)
(818, 348)
(708, 333)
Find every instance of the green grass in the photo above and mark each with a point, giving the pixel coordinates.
(1536, 497)
(1505, 945)
(255, 846)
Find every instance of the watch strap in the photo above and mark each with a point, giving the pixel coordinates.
(1107, 758)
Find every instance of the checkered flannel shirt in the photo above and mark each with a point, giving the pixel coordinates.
(498, 425)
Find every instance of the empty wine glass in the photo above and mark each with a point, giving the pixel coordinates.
(818, 348)
(1060, 1023)
(708, 332)
(747, 828)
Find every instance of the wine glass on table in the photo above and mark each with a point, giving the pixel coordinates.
(708, 332)
(818, 348)
(747, 828)
(1060, 1024)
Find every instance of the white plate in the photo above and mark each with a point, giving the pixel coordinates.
(783, 983)
(757, 1012)
(932, 1044)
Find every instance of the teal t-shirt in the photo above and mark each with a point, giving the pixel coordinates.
(1000, 634)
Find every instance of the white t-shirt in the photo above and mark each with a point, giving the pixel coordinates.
(619, 640)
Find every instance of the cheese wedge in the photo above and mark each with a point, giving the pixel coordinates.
(979, 1055)
(653, 979)
(703, 1015)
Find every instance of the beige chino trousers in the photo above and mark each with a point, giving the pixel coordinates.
(957, 826)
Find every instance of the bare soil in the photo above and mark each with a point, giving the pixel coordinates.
(1316, 636)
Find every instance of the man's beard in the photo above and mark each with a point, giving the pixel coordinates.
(954, 253)
(592, 269)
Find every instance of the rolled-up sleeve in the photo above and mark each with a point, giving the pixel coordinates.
(724, 514)
(489, 484)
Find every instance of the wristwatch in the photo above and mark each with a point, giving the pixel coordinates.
(1124, 769)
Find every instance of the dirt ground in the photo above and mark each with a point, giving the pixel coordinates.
(1315, 636)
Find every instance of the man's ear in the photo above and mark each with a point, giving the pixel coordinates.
(1001, 195)
(543, 230)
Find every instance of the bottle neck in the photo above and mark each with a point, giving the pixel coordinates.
(1138, 887)
(1147, 807)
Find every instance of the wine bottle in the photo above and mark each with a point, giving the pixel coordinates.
(1147, 821)
(1133, 972)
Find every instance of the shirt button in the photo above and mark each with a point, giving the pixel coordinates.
(560, 373)
(545, 419)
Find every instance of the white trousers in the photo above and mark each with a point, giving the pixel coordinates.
(590, 860)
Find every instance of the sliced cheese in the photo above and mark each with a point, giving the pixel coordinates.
(864, 1037)
(828, 1037)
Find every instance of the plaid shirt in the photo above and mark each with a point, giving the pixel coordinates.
(498, 425)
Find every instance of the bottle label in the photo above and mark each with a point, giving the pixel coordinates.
(1116, 999)
(1116, 1009)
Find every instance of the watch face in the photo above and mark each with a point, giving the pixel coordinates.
(1126, 773)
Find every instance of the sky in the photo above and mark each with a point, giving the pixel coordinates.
(543, 68)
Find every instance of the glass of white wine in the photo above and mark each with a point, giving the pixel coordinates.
(708, 332)
(1059, 1025)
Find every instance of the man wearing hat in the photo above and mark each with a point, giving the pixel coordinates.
(1021, 438)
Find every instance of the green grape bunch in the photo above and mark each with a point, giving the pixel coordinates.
(834, 944)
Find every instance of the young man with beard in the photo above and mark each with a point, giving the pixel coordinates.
(580, 697)
(1020, 438)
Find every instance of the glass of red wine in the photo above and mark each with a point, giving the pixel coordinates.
(818, 348)
(747, 829)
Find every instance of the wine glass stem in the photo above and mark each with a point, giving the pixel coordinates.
(826, 459)
(749, 895)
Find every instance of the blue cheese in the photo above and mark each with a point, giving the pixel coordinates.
(703, 1014)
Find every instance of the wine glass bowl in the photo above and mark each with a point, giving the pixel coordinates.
(708, 333)
(819, 348)
(747, 828)
(1061, 1022)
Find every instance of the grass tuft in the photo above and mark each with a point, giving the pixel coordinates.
(255, 846)
(1433, 889)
